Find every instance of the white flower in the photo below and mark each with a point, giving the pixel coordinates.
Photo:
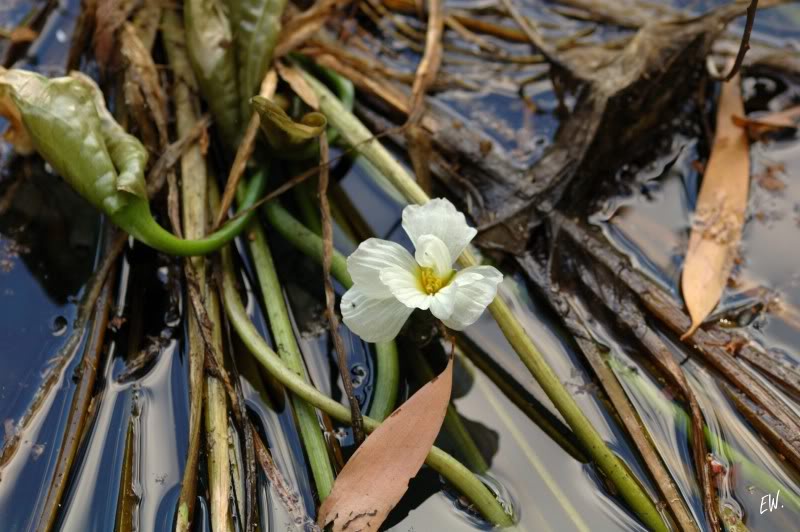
(388, 283)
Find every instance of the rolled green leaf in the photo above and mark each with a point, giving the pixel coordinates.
(256, 25)
(209, 41)
(82, 142)
(288, 139)
(65, 119)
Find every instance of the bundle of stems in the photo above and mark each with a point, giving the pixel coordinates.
(363, 141)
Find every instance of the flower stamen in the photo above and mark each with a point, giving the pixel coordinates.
(432, 283)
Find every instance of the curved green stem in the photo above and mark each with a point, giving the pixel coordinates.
(450, 468)
(137, 220)
(310, 244)
(609, 463)
(281, 326)
(386, 381)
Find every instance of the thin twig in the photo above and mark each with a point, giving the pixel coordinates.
(330, 296)
(84, 394)
(431, 60)
(156, 177)
(301, 177)
(419, 143)
(530, 30)
(245, 151)
(287, 497)
(745, 44)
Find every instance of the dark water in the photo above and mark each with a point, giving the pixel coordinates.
(49, 245)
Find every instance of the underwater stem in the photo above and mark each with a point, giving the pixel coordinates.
(309, 243)
(281, 326)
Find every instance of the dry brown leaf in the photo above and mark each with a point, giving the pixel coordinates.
(22, 34)
(295, 80)
(376, 477)
(759, 126)
(719, 214)
(109, 18)
(15, 134)
(245, 150)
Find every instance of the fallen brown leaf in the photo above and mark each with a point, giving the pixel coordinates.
(295, 80)
(761, 125)
(719, 214)
(22, 34)
(109, 18)
(376, 477)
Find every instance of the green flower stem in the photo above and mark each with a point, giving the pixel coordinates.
(137, 220)
(281, 326)
(310, 244)
(453, 424)
(450, 468)
(309, 208)
(629, 488)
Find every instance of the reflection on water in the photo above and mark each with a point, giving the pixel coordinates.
(651, 226)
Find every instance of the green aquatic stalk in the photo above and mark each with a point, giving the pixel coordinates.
(358, 136)
(65, 119)
(310, 244)
(281, 326)
(450, 468)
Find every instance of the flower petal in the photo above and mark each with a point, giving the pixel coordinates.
(373, 319)
(475, 288)
(372, 256)
(444, 302)
(433, 253)
(440, 218)
(405, 286)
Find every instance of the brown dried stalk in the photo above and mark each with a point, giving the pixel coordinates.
(330, 296)
(245, 151)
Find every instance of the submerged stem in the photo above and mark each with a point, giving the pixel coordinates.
(309, 243)
(632, 492)
(281, 326)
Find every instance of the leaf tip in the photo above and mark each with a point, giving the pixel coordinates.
(690, 331)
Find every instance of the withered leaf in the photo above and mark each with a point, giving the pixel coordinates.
(22, 34)
(719, 214)
(761, 125)
(376, 477)
(289, 139)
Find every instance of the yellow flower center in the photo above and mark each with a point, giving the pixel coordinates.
(432, 283)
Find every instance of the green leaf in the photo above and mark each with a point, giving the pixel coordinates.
(289, 139)
(209, 41)
(256, 25)
(65, 119)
